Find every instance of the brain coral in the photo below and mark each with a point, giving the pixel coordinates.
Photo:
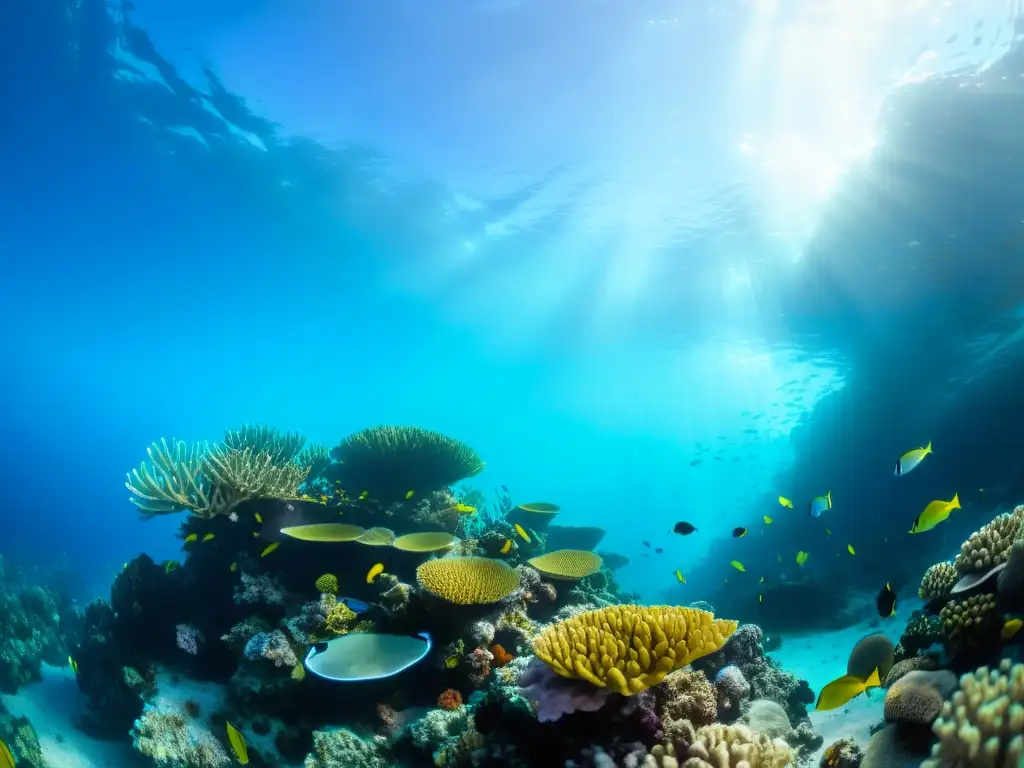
(991, 544)
(468, 580)
(328, 583)
(983, 725)
(629, 648)
(937, 582)
(915, 698)
(914, 663)
(568, 564)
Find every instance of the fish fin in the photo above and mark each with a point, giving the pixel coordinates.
(873, 681)
(955, 503)
(829, 497)
(928, 448)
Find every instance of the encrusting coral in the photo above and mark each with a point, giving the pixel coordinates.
(468, 580)
(983, 725)
(937, 582)
(630, 648)
(990, 546)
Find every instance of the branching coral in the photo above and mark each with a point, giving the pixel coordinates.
(983, 725)
(970, 623)
(280, 446)
(990, 545)
(629, 648)
(254, 475)
(937, 581)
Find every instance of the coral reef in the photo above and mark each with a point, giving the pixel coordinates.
(842, 754)
(29, 633)
(342, 747)
(990, 545)
(918, 696)
(937, 582)
(172, 739)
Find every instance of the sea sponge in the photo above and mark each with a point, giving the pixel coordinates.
(721, 746)
(970, 622)
(328, 583)
(432, 541)
(983, 725)
(567, 564)
(937, 582)
(468, 580)
(991, 544)
(916, 697)
(338, 616)
(630, 648)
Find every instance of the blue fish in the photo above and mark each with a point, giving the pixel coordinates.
(820, 504)
(354, 605)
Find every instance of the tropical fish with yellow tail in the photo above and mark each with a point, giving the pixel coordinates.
(785, 502)
(935, 513)
(910, 460)
(820, 504)
(237, 744)
(843, 689)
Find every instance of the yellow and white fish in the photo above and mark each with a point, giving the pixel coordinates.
(842, 689)
(909, 461)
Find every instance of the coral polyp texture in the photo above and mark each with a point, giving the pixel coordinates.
(990, 546)
(567, 564)
(629, 648)
(721, 746)
(937, 582)
(970, 622)
(983, 725)
(468, 580)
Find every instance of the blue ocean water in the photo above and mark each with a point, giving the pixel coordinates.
(654, 261)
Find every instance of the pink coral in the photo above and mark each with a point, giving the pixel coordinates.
(480, 663)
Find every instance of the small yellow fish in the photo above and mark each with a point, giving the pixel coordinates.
(259, 518)
(850, 549)
(234, 567)
(738, 565)
(374, 572)
(842, 689)
(767, 520)
(209, 537)
(364, 495)
(409, 494)
(801, 557)
(522, 532)
(506, 547)
(170, 565)
(323, 498)
(679, 577)
(935, 513)
(74, 665)
(828, 532)
(255, 534)
(760, 598)
(761, 580)
(462, 509)
(270, 548)
(1011, 628)
(191, 537)
(451, 662)
(785, 502)
(238, 744)
(6, 758)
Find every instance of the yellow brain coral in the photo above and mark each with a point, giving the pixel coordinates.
(937, 582)
(327, 583)
(468, 580)
(990, 545)
(983, 725)
(630, 648)
(569, 564)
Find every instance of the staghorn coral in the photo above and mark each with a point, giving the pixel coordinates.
(983, 725)
(937, 582)
(175, 480)
(990, 545)
(720, 746)
(468, 580)
(970, 623)
(629, 648)
(251, 474)
(341, 747)
(567, 564)
(917, 697)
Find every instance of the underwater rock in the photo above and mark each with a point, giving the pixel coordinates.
(842, 754)
(20, 737)
(733, 690)
(29, 632)
(1011, 580)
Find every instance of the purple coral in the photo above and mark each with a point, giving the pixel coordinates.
(555, 696)
(188, 638)
(733, 689)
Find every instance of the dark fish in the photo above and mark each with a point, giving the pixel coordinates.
(684, 529)
(739, 533)
(886, 602)
(647, 544)
(695, 462)
(658, 550)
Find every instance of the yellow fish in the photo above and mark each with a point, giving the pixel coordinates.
(191, 537)
(785, 502)
(259, 518)
(767, 520)
(234, 567)
(522, 532)
(850, 549)
(828, 532)
(374, 572)
(208, 537)
(170, 565)
(909, 460)
(679, 577)
(73, 664)
(738, 565)
(323, 499)
(935, 513)
(462, 509)
(842, 689)
(255, 534)
(761, 580)
(760, 598)
(6, 758)
(451, 662)
(801, 557)
(364, 495)
(1011, 628)
(238, 744)
(409, 494)
(506, 547)
(270, 548)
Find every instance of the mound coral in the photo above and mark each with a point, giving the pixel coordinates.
(918, 697)
(629, 648)
(937, 582)
(990, 545)
(914, 663)
(468, 580)
(567, 564)
(983, 724)
(388, 462)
